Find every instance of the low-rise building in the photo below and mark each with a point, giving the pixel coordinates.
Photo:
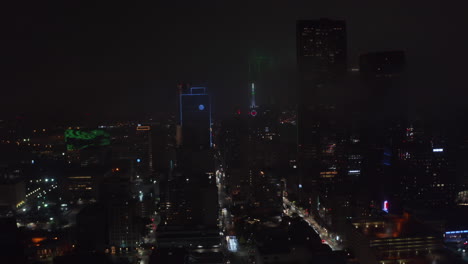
(391, 239)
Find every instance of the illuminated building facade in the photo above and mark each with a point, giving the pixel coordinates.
(144, 152)
(389, 240)
(427, 168)
(81, 183)
(87, 147)
(80, 187)
(195, 118)
(80, 139)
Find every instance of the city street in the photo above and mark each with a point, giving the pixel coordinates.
(322, 232)
(236, 253)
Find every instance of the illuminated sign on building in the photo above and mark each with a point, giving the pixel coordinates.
(456, 232)
(232, 243)
(81, 139)
(438, 150)
(143, 128)
(328, 174)
(385, 206)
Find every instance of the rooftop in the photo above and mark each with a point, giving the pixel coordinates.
(391, 227)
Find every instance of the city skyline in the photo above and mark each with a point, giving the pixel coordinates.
(234, 133)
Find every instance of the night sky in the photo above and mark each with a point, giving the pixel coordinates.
(117, 59)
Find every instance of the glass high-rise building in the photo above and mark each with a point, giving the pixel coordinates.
(195, 119)
(321, 48)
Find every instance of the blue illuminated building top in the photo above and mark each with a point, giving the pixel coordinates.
(195, 118)
(387, 159)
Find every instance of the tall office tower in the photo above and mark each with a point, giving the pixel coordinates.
(189, 213)
(195, 119)
(189, 204)
(121, 212)
(144, 152)
(321, 56)
(425, 160)
(321, 59)
(382, 78)
(233, 143)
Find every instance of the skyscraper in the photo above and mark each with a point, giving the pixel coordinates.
(144, 151)
(321, 59)
(384, 109)
(321, 54)
(195, 119)
(116, 196)
(189, 205)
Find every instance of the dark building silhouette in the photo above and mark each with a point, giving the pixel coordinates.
(173, 255)
(121, 210)
(321, 56)
(11, 245)
(92, 229)
(384, 113)
(382, 64)
(322, 60)
(383, 81)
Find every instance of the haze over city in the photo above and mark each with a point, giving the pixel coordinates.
(130, 55)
